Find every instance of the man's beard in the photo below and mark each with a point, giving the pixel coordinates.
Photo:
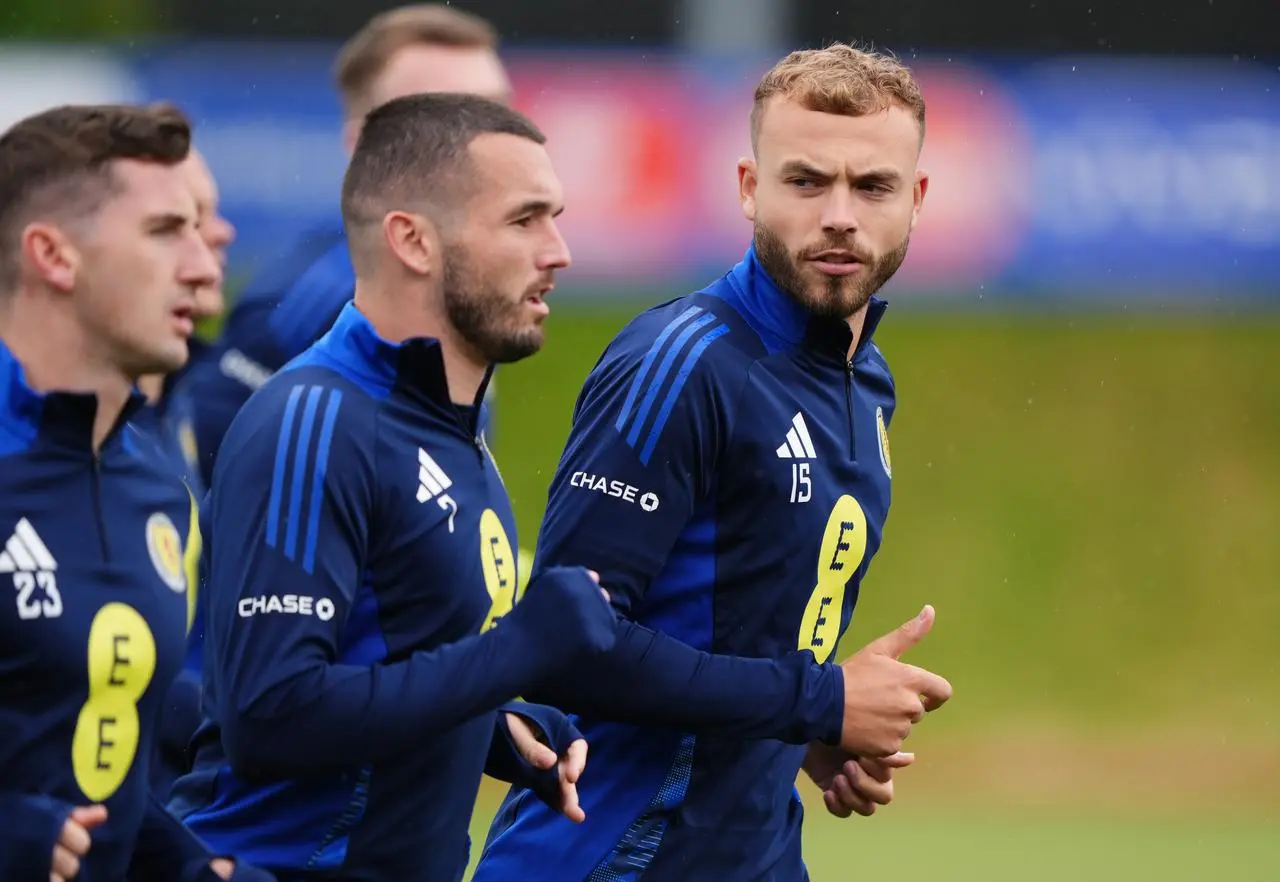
(483, 316)
(834, 296)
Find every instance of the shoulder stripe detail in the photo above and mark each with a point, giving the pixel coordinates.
(674, 392)
(295, 465)
(634, 392)
(300, 450)
(317, 481)
(282, 461)
(671, 345)
(668, 360)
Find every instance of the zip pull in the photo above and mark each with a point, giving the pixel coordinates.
(848, 394)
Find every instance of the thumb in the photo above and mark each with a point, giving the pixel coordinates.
(89, 816)
(905, 636)
(899, 760)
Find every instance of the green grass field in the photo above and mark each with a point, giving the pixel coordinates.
(911, 844)
(1093, 505)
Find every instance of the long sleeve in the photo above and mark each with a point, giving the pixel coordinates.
(31, 828)
(291, 521)
(639, 464)
(654, 680)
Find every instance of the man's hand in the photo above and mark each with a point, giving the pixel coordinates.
(883, 697)
(567, 612)
(532, 746)
(223, 867)
(74, 842)
(853, 784)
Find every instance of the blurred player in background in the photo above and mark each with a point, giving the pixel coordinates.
(168, 421)
(292, 303)
(361, 630)
(751, 420)
(100, 264)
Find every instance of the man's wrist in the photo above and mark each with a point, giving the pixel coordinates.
(831, 700)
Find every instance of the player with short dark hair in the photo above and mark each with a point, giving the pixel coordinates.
(292, 302)
(99, 264)
(752, 418)
(362, 572)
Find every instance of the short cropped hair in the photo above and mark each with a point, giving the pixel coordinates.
(412, 154)
(59, 163)
(364, 57)
(839, 79)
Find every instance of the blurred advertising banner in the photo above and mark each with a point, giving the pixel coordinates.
(1099, 180)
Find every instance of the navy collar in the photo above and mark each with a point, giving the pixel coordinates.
(784, 323)
(64, 419)
(415, 366)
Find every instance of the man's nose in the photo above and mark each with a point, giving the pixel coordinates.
(839, 214)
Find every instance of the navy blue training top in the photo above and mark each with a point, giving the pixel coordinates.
(361, 560)
(99, 553)
(728, 474)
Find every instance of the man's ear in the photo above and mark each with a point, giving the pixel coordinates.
(50, 254)
(413, 239)
(747, 181)
(921, 188)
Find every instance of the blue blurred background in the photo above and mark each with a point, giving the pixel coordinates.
(1085, 333)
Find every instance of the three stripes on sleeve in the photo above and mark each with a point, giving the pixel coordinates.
(301, 462)
(689, 334)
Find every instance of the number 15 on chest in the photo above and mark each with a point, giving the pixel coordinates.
(801, 484)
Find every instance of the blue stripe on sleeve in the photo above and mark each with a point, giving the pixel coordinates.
(674, 393)
(317, 486)
(661, 376)
(282, 458)
(652, 354)
(300, 450)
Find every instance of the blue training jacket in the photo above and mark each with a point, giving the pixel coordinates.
(361, 576)
(98, 552)
(728, 474)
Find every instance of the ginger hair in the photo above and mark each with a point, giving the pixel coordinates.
(840, 79)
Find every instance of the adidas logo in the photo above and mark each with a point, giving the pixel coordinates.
(27, 557)
(798, 444)
(432, 484)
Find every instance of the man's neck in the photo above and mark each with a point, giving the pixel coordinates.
(464, 368)
(56, 356)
